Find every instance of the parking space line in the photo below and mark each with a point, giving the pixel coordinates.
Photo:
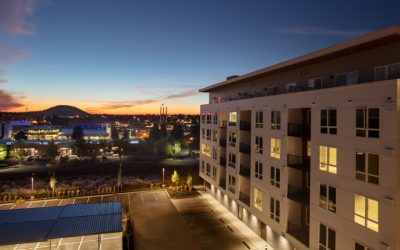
(16, 246)
(101, 241)
(13, 206)
(59, 203)
(102, 198)
(87, 200)
(129, 197)
(142, 198)
(44, 204)
(80, 244)
(37, 244)
(59, 243)
(115, 197)
(30, 203)
(155, 196)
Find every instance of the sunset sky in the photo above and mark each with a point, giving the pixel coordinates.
(129, 57)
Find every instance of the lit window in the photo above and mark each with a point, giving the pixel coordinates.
(275, 120)
(258, 173)
(328, 121)
(206, 150)
(327, 197)
(258, 199)
(259, 144)
(327, 238)
(232, 118)
(328, 159)
(232, 139)
(274, 209)
(366, 212)
(259, 119)
(275, 177)
(367, 167)
(275, 148)
(367, 122)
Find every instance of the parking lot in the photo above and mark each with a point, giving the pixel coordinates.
(160, 223)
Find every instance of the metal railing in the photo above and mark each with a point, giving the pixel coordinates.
(244, 148)
(298, 130)
(222, 161)
(245, 198)
(222, 142)
(222, 183)
(298, 162)
(298, 195)
(302, 234)
(244, 171)
(245, 126)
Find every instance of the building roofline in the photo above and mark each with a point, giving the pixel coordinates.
(377, 38)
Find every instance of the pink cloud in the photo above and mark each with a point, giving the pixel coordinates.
(14, 16)
(9, 100)
(9, 55)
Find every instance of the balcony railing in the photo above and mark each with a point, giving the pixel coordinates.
(222, 143)
(232, 124)
(232, 165)
(222, 124)
(298, 195)
(302, 234)
(298, 130)
(231, 189)
(222, 161)
(245, 198)
(222, 183)
(298, 162)
(232, 144)
(244, 171)
(245, 126)
(244, 148)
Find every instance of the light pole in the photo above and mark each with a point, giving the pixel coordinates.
(32, 180)
(163, 172)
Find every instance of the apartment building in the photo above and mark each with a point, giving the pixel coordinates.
(306, 152)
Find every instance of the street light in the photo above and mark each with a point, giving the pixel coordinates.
(163, 172)
(32, 180)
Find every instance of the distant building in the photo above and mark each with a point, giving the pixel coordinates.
(306, 152)
(43, 133)
(10, 128)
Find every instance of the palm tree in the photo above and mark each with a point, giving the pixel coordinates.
(53, 182)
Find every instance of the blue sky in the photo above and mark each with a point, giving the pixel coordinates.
(131, 56)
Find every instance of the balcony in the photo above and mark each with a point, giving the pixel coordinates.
(245, 126)
(222, 183)
(244, 171)
(222, 143)
(298, 195)
(232, 143)
(244, 148)
(245, 198)
(231, 189)
(232, 124)
(222, 124)
(232, 165)
(222, 161)
(299, 130)
(299, 233)
(298, 162)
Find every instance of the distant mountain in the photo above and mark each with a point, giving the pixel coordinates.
(63, 110)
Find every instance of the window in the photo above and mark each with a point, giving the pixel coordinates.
(208, 169)
(274, 209)
(259, 144)
(275, 177)
(203, 118)
(232, 139)
(358, 246)
(202, 166)
(328, 121)
(208, 134)
(214, 153)
(215, 135)
(258, 170)
(215, 118)
(367, 122)
(327, 238)
(203, 133)
(315, 83)
(366, 212)
(367, 167)
(259, 119)
(275, 120)
(327, 197)
(231, 183)
(214, 173)
(206, 150)
(232, 118)
(232, 160)
(328, 159)
(308, 148)
(208, 118)
(385, 72)
(275, 148)
(258, 199)
(347, 78)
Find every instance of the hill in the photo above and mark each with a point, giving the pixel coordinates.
(63, 110)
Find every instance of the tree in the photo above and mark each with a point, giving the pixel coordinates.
(175, 178)
(51, 150)
(114, 134)
(21, 135)
(77, 133)
(177, 132)
(189, 182)
(3, 152)
(81, 147)
(53, 182)
(18, 154)
(119, 177)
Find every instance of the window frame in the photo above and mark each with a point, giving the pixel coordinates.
(258, 203)
(365, 219)
(328, 165)
(275, 176)
(276, 119)
(327, 244)
(325, 200)
(367, 175)
(259, 122)
(259, 144)
(258, 170)
(275, 209)
(275, 151)
(330, 129)
(366, 131)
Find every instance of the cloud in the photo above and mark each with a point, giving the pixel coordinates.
(182, 95)
(15, 15)
(309, 30)
(9, 100)
(10, 55)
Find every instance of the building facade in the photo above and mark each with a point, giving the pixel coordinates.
(306, 152)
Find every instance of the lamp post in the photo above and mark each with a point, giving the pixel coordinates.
(32, 180)
(163, 173)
